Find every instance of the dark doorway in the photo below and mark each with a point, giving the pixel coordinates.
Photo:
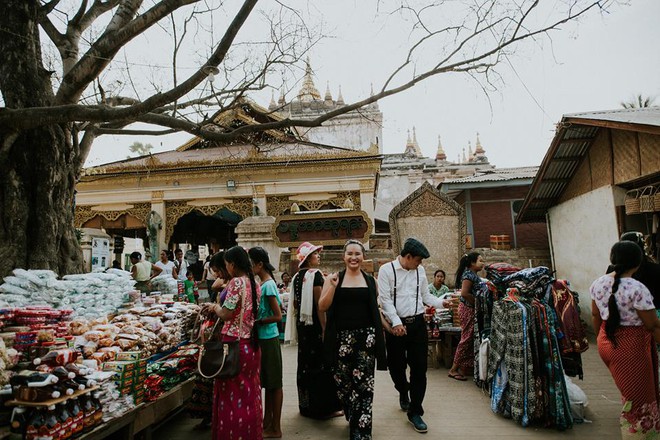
(217, 231)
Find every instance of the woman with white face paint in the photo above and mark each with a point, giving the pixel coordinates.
(354, 338)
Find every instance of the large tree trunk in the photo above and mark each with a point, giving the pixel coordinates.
(39, 167)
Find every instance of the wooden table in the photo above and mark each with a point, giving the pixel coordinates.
(145, 417)
(441, 349)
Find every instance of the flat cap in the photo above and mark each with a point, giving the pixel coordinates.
(415, 248)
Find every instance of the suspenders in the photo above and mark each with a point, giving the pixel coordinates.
(416, 296)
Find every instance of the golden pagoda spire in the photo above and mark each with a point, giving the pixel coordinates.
(273, 105)
(308, 91)
(281, 101)
(418, 151)
(464, 159)
(440, 155)
(328, 95)
(479, 151)
(470, 154)
(340, 98)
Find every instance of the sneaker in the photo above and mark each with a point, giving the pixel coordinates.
(404, 401)
(417, 423)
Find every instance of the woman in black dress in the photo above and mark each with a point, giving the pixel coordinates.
(317, 393)
(354, 338)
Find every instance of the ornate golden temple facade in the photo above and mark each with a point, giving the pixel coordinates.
(264, 176)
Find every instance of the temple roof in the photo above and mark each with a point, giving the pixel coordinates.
(234, 156)
(245, 112)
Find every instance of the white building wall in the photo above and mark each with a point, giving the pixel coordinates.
(391, 190)
(583, 231)
(355, 132)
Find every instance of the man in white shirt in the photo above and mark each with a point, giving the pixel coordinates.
(402, 292)
(181, 265)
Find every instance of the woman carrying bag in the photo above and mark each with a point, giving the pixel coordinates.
(237, 409)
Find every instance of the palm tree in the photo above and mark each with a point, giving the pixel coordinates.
(639, 102)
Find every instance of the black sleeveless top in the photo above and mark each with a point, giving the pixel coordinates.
(352, 309)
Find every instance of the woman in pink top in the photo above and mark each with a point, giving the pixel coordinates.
(237, 410)
(626, 324)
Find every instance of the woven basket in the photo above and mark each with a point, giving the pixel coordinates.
(632, 202)
(647, 199)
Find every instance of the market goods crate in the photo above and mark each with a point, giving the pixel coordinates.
(500, 242)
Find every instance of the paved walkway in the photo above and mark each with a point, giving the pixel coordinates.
(453, 410)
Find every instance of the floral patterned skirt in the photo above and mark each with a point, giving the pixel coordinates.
(633, 364)
(237, 412)
(354, 375)
(464, 357)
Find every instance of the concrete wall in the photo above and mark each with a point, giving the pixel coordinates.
(439, 235)
(583, 230)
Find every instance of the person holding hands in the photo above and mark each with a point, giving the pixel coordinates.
(403, 291)
(353, 338)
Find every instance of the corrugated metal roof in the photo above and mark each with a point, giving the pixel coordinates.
(575, 134)
(644, 116)
(495, 175)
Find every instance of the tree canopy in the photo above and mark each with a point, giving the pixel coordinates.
(74, 70)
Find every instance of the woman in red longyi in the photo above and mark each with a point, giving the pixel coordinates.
(626, 324)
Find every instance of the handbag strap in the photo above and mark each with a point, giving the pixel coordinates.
(225, 347)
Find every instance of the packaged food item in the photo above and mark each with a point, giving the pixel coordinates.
(35, 423)
(88, 413)
(66, 421)
(40, 394)
(18, 423)
(51, 426)
(77, 415)
(58, 357)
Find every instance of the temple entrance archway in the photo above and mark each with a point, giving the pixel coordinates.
(218, 231)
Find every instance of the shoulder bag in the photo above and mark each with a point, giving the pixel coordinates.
(219, 358)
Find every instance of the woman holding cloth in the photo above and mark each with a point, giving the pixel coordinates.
(237, 400)
(317, 393)
(354, 338)
(626, 325)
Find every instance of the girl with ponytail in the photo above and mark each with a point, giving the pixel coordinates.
(626, 325)
(237, 400)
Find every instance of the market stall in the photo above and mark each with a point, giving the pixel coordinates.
(86, 356)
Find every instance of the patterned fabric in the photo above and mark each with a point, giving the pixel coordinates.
(438, 292)
(464, 357)
(201, 401)
(631, 295)
(524, 366)
(237, 412)
(534, 282)
(574, 338)
(233, 302)
(354, 375)
(477, 283)
(483, 309)
(634, 367)
(317, 391)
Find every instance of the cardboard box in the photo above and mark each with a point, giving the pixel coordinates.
(129, 356)
(120, 366)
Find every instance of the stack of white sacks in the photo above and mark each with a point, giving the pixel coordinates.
(89, 295)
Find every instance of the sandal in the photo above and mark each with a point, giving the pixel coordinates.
(457, 376)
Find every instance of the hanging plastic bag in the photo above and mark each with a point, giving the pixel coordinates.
(484, 348)
(578, 400)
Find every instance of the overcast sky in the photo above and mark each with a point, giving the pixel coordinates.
(591, 65)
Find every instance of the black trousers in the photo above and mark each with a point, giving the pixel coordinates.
(409, 350)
